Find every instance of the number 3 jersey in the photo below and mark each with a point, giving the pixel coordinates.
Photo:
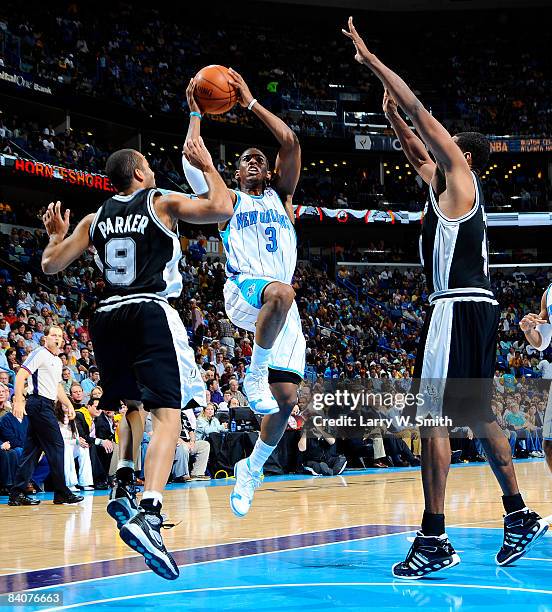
(260, 240)
(135, 251)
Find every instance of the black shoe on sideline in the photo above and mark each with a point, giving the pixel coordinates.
(67, 498)
(340, 466)
(521, 530)
(427, 555)
(143, 534)
(20, 499)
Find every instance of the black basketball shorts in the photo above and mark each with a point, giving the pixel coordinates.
(142, 352)
(455, 361)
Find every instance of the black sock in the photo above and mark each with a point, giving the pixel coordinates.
(125, 474)
(151, 505)
(513, 503)
(433, 524)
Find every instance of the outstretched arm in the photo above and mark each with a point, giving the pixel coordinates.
(60, 251)
(194, 175)
(288, 162)
(460, 187)
(413, 147)
(216, 207)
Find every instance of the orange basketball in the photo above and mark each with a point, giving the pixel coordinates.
(213, 92)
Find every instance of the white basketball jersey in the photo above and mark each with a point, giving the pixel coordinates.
(260, 240)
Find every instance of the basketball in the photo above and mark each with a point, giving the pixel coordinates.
(213, 92)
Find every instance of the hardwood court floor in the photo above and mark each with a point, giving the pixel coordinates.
(47, 536)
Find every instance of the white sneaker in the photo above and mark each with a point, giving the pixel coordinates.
(257, 390)
(247, 481)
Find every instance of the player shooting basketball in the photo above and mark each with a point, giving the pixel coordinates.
(261, 253)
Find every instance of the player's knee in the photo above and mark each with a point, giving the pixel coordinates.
(286, 406)
(547, 448)
(280, 295)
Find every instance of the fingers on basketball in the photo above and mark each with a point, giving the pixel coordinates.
(214, 92)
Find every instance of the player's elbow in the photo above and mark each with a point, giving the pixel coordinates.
(47, 266)
(290, 140)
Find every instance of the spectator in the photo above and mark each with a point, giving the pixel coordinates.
(207, 423)
(73, 450)
(189, 448)
(318, 453)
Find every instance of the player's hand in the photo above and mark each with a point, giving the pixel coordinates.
(389, 105)
(362, 55)
(244, 94)
(55, 224)
(18, 408)
(197, 154)
(190, 91)
(530, 321)
(5, 446)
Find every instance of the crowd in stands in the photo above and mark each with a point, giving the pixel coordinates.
(144, 58)
(361, 328)
(58, 146)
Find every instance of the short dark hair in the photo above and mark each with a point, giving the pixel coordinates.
(50, 327)
(120, 167)
(478, 145)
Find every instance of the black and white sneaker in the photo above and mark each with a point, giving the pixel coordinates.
(143, 534)
(427, 555)
(521, 530)
(122, 504)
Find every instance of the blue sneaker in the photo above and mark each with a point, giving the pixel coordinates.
(122, 504)
(259, 395)
(247, 481)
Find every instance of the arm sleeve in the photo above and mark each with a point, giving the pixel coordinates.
(545, 330)
(195, 177)
(33, 361)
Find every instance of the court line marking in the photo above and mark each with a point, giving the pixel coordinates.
(268, 552)
(300, 585)
(233, 541)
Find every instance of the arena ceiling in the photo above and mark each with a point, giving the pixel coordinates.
(420, 5)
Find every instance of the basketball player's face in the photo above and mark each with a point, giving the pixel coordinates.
(253, 170)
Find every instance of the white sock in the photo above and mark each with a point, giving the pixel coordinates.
(125, 463)
(260, 357)
(261, 452)
(155, 496)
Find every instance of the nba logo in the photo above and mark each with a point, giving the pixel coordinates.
(251, 291)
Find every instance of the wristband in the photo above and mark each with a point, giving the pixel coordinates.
(196, 114)
(252, 104)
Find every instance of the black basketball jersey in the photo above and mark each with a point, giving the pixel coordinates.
(454, 252)
(135, 251)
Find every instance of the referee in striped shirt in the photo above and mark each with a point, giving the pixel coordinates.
(42, 369)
